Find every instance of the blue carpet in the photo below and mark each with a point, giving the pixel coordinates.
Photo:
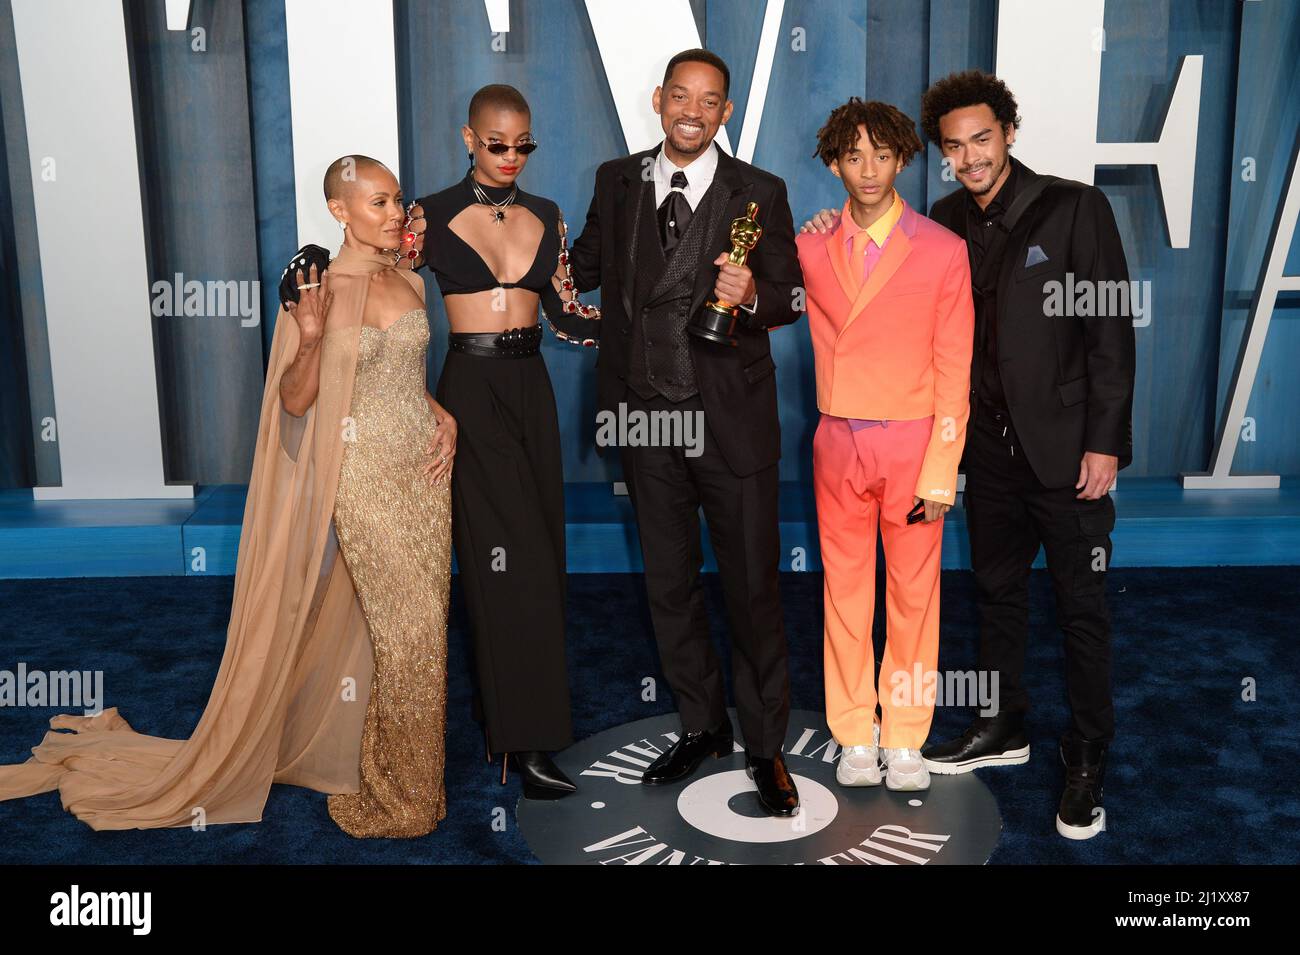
(1197, 775)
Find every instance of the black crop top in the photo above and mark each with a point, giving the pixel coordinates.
(460, 269)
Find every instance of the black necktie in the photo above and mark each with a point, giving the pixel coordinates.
(674, 214)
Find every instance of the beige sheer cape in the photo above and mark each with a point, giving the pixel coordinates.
(289, 700)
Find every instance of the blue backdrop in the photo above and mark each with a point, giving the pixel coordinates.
(219, 192)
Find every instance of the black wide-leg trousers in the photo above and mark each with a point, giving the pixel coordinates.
(508, 532)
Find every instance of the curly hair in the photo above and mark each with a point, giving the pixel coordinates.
(969, 88)
(887, 126)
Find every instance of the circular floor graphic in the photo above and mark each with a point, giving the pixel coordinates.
(713, 818)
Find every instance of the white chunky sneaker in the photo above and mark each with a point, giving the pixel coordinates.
(905, 769)
(860, 765)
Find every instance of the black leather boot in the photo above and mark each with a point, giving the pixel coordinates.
(989, 741)
(540, 776)
(685, 755)
(1081, 815)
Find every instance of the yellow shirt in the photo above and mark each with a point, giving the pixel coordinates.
(855, 237)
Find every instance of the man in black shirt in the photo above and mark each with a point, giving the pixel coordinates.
(979, 231)
(1051, 415)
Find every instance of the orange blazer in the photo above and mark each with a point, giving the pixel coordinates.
(900, 346)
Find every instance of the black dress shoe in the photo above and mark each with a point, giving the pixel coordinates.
(1080, 815)
(776, 789)
(989, 741)
(685, 755)
(541, 778)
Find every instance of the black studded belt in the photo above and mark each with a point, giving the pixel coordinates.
(512, 343)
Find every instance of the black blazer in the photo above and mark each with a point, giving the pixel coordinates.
(737, 385)
(1068, 381)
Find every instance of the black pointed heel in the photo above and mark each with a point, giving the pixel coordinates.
(540, 777)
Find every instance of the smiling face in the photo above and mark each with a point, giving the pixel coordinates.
(371, 206)
(691, 107)
(978, 148)
(494, 124)
(868, 171)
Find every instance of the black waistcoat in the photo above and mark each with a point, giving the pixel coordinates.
(661, 355)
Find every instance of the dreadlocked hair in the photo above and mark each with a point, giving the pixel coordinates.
(887, 126)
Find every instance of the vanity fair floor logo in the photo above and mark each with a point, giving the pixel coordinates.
(713, 818)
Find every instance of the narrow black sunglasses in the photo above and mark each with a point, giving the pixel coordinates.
(500, 149)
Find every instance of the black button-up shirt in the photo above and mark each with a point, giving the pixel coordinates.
(980, 225)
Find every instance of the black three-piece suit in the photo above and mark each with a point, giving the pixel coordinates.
(648, 360)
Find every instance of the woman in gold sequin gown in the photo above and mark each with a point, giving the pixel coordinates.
(392, 517)
(334, 670)
(394, 531)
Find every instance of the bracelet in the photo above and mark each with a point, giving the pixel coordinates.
(410, 236)
(572, 306)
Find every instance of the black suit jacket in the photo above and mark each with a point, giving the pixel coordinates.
(737, 385)
(1068, 381)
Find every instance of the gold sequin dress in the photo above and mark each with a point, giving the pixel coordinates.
(394, 532)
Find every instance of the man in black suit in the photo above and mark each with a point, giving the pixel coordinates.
(1051, 423)
(656, 241)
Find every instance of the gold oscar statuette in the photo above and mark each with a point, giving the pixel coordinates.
(717, 320)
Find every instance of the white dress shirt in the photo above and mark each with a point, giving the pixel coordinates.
(699, 176)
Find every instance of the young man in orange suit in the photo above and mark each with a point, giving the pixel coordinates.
(891, 318)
